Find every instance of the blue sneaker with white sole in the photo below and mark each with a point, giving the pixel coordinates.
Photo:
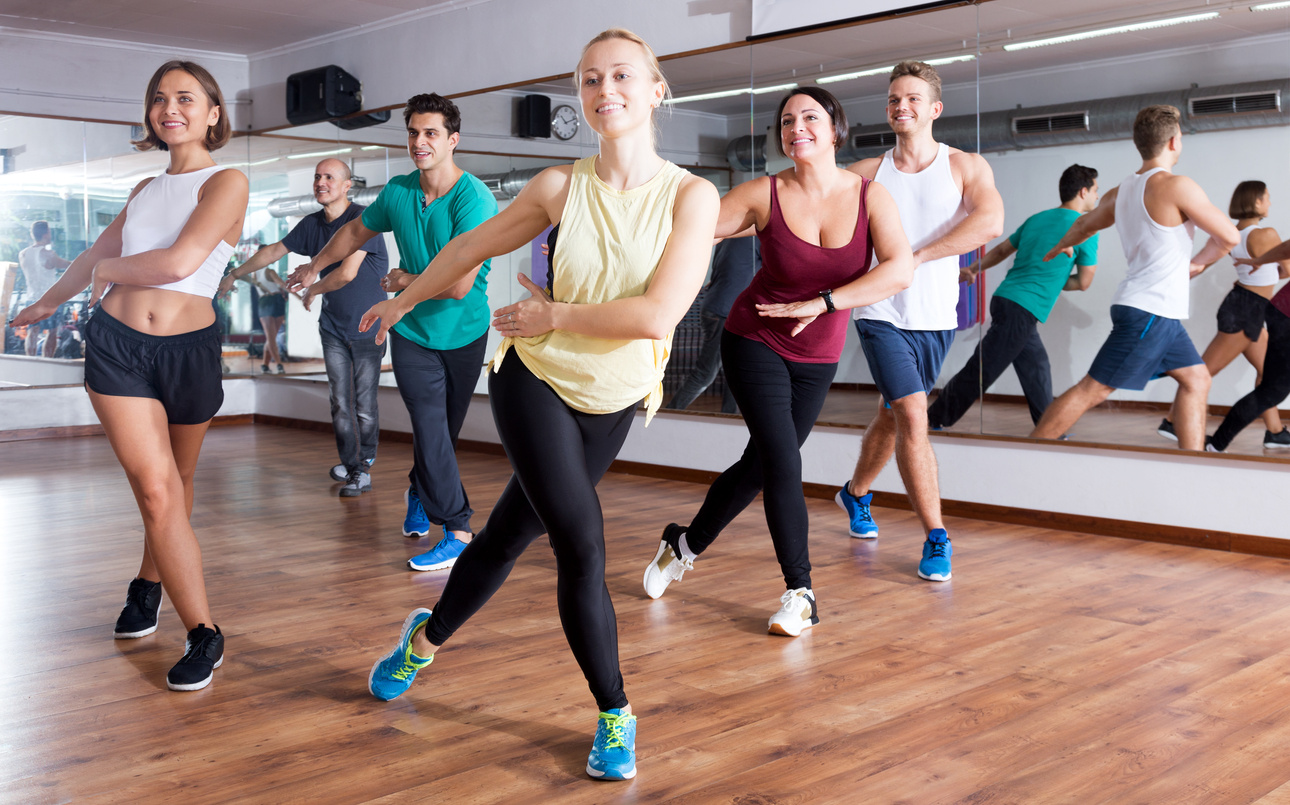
(613, 753)
(393, 673)
(415, 522)
(862, 525)
(937, 551)
(440, 557)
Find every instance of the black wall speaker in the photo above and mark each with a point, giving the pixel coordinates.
(322, 94)
(534, 116)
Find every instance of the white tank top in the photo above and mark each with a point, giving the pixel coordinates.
(158, 213)
(1159, 256)
(930, 205)
(1254, 276)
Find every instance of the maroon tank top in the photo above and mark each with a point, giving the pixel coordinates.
(793, 270)
(1281, 301)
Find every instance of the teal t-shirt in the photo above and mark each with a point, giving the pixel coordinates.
(1032, 283)
(420, 234)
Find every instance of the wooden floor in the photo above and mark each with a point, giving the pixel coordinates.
(1054, 668)
(1114, 426)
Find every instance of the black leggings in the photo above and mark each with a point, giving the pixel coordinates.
(780, 401)
(1274, 387)
(558, 455)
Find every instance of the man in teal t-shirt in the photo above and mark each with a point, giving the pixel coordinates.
(438, 349)
(1023, 300)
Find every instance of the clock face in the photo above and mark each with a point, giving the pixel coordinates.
(564, 122)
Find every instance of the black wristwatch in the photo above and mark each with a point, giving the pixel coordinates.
(827, 296)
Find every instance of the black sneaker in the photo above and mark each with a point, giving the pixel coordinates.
(1166, 430)
(139, 616)
(203, 653)
(1276, 440)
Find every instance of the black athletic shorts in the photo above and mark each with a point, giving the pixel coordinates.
(1242, 311)
(181, 371)
(272, 305)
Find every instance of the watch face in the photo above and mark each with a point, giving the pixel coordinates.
(564, 122)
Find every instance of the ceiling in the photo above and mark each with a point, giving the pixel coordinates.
(227, 26)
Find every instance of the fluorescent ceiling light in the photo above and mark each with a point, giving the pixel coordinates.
(1270, 6)
(830, 79)
(372, 147)
(1119, 29)
(320, 153)
(730, 93)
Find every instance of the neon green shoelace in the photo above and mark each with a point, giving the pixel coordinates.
(615, 725)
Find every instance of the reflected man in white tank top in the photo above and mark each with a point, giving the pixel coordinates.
(1156, 214)
(948, 206)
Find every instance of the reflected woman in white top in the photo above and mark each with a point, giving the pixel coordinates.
(152, 362)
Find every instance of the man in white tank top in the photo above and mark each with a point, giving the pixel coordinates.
(1155, 213)
(949, 206)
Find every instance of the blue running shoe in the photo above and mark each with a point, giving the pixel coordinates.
(415, 522)
(394, 672)
(936, 556)
(613, 753)
(857, 508)
(440, 557)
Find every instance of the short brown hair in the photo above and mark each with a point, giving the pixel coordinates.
(1153, 127)
(434, 104)
(1244, 197)
(832, 107)
(216, 136)
(919, 69)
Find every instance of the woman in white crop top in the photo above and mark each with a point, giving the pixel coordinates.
(1241, 313)
(635, 236)
(153, 379)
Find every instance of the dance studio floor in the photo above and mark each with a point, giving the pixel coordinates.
(1054, 668)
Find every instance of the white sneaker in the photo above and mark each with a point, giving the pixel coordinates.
(796, 612)
(668, 565)
(339, 473)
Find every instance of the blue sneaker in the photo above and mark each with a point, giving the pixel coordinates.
(394, 672)
(857, 508)
(415, 522)
(936, 556)
(613, 753)
(440, 557)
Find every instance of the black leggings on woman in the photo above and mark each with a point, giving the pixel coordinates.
(1274, 387)
(559, 455)
(780, 400)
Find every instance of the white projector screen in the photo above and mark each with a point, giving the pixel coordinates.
(776, 16)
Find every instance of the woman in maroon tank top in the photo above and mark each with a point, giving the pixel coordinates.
(819, 227)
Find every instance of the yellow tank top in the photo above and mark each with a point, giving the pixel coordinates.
(609, 246)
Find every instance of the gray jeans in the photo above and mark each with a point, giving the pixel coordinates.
(353, 375)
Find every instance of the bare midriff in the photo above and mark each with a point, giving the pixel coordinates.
(157, 312)
(1264, 291)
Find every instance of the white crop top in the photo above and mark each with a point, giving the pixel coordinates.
(1253, 276)
(155, 217)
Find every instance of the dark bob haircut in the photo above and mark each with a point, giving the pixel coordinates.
(831, 106)
(216, 136)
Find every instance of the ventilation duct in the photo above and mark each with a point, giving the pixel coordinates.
(747, 153)
(502, 185)
(1233, 106)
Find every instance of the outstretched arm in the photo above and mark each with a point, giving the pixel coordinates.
(651, 315)
(1087, 225)
(266, 255)
(893, 273)
(992, 258)
(1081, 279)
(347, 240)
(1194, 204)
(339, 277)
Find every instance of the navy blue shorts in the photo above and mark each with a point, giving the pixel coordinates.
(902, 362)
(272, 306)
(181, 371)
(1141, 347)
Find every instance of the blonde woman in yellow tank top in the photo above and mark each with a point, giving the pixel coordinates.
(635, 235)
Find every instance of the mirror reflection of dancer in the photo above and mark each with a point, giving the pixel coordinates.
(635, 234)
(40, 266)
(949, 206)
(1243, 311)
(1274, 384)
(438, 348)
(819, 227)
(1023, 301)
(155, 383)
(1155, 213)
